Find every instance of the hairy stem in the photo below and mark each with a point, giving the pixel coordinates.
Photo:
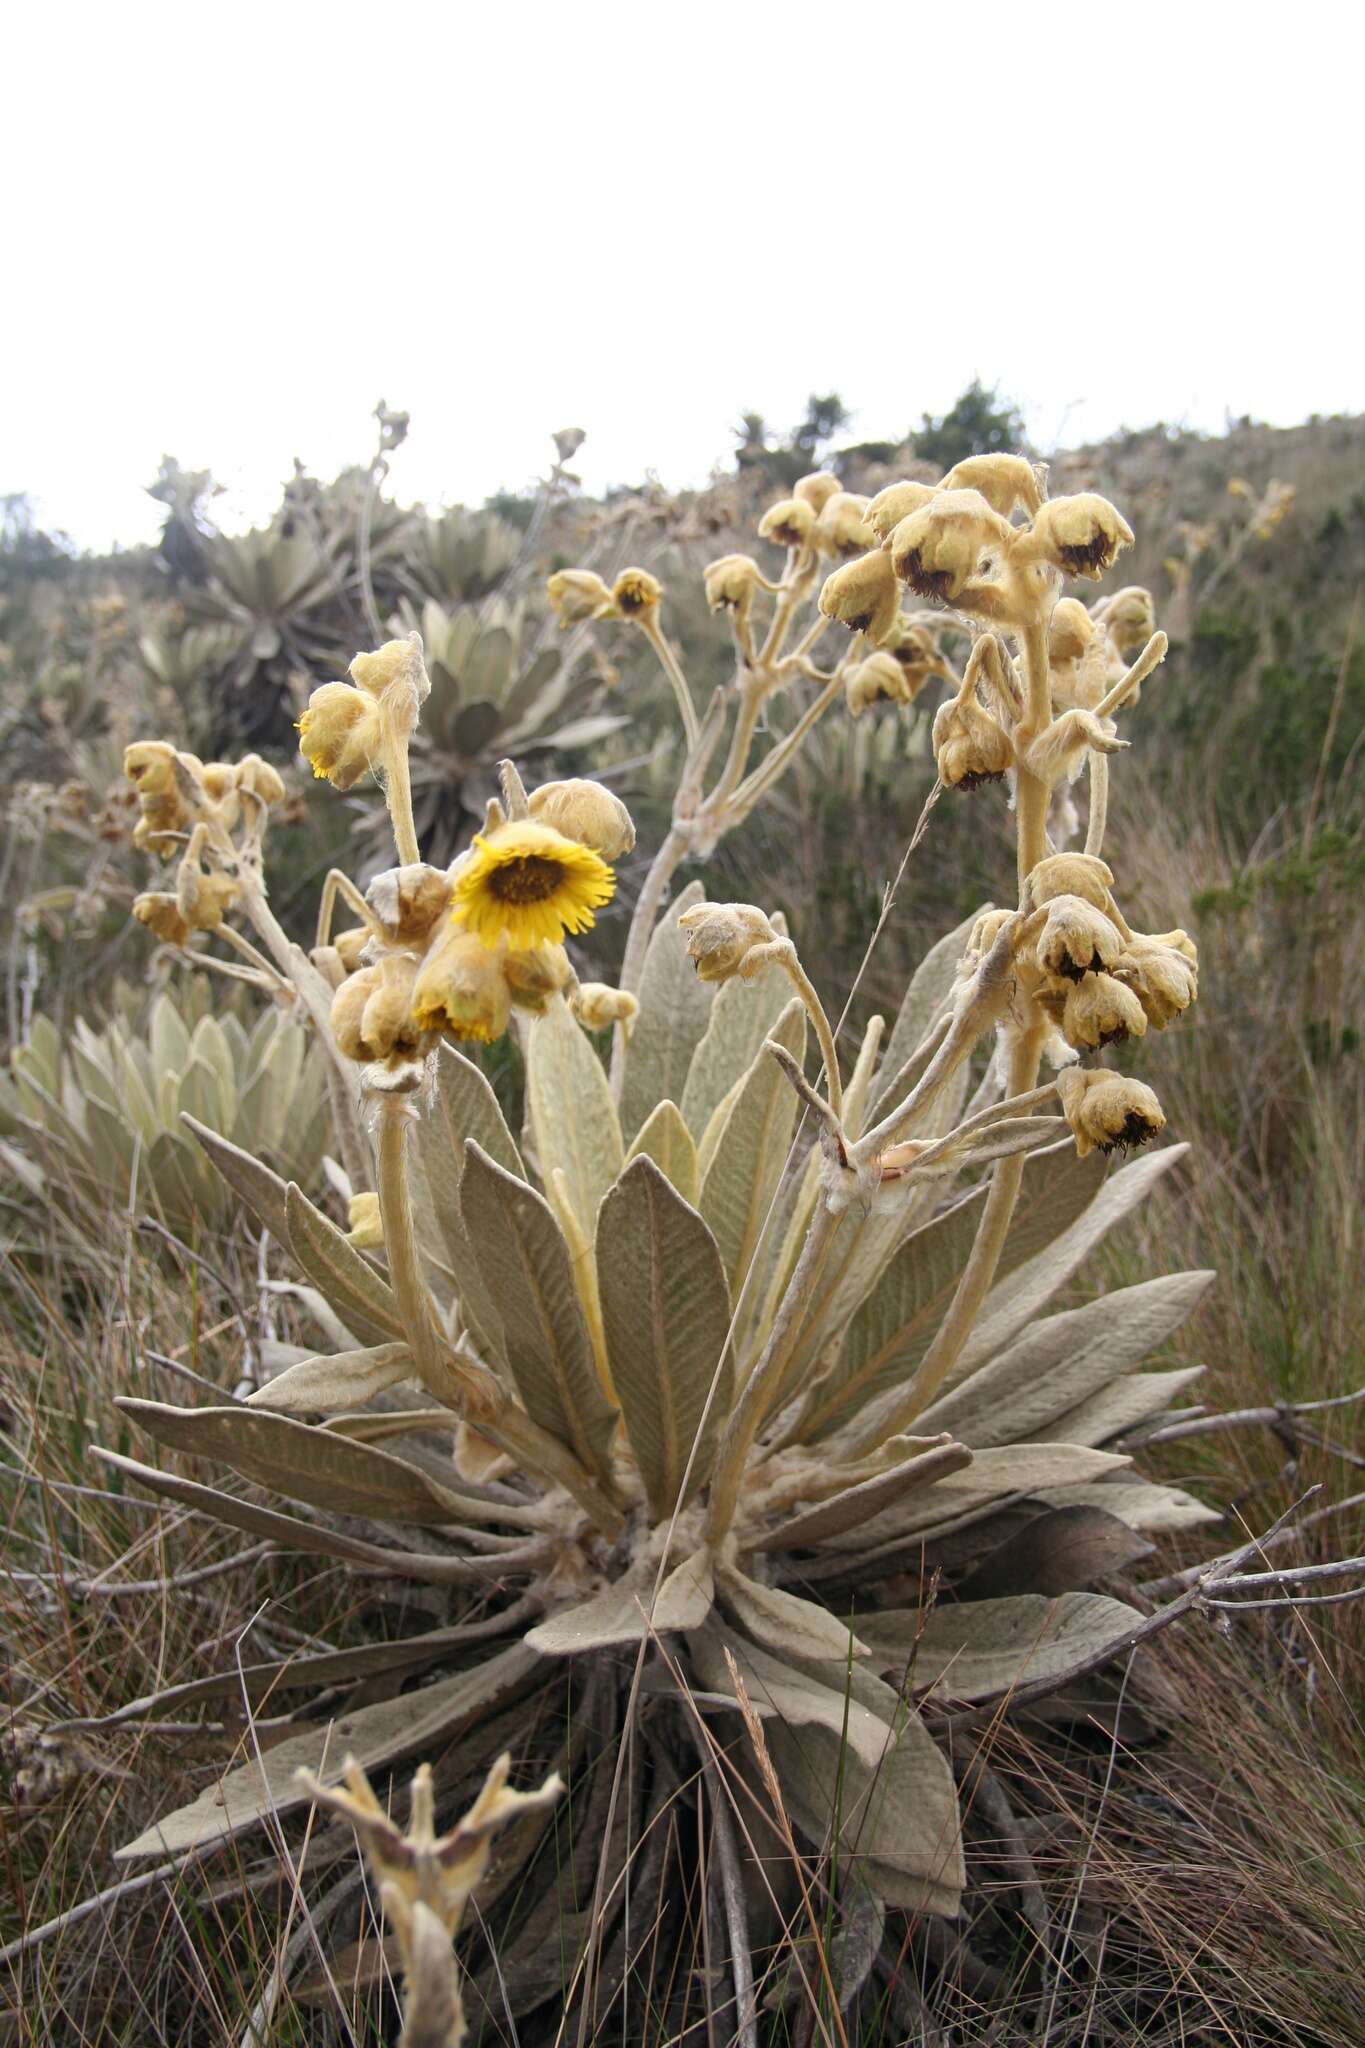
(661, 872)
(672, 668)
(398, 797)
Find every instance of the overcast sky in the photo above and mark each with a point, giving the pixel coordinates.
(232, 228)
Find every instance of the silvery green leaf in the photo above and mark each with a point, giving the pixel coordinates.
(665, 1138)
(974, 1649)
(1064, 1359)
(742, 1015)
(739, 1184)
(1136, 1502)
(332, 1382)
(626, 1611)
(783, 1622)
(364, 1302)
(993, 1476)
(785, 1692)
(571, 1113)
(374, 1735)
(526, 1268)
(675, 1007)
(666, 1314)
(1010, 1308)
(893, 1328)
(1119, 1407)
(303, 1463)
(855, 1506)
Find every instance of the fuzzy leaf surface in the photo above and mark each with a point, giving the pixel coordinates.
(977, 1648)
(364, 1302)
(742, 1015)
(666, 1313)
(665, 1138)
(621, 1613)
(740, 1182)
(572, 1116)
(675, 1008)
(333, 1381)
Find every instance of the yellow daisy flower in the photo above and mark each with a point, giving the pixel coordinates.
(528, 883)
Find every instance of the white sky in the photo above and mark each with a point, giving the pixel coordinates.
(232, 227)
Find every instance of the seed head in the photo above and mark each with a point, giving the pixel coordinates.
(1107, 1111)
(895, 503)
(579, 594)
(1100, 1011)
(1071, 874)
(970, 744)
(1081, 536)
(636, 594)
(1006, 482)
(1076, 939)
(947, 543)
(817, 489)
(161, 914)
(1164, 978)
(371, 1012)
(460, 988)
(879, 680)
(730, 582)
(790, 523)
(841, 529)
(863, 596)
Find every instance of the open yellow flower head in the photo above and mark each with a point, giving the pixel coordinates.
(371, 1012)
(722, 939)
(895, 503)
(1164, 979)
(816, 490)
(1007, 482)
(161, 914)
(863, 595)
(1108, 1111)
(878, 680)
(536, 976)
(409, 901)
(598, 1007)
(395, 673)
(789, 523)
(1101, 1011)
(341, 734)
(939, 549)
(1071, 874)
(579, 594)
(1076, 939)
(841, 528)
(970, 744)
(1080, 535)
(527, 883)
(461, 989)
(636, 594)
(730, 582)
(587, 811)
(367, 1225)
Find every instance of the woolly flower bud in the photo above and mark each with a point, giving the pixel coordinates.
(578, 594)
(349, 947)
(1107, 1111)
(970, 744)
(1101, 1011)
(586, 811)
(1164, 979)
(1004, 481)
(340, 734)
(730, 582)
(1128, 617)
(408, 901)
(367, 1227)
(722, 936)
(790, 523)
(863, 596)
(636, 593)
(598, 1007)
(939, 549)
(535, 975)
(842, 527)
(1070, 630)
(817, 489)
(257, 778)
(203, 898)
(1071, 874)
(917, 652)
(895, 503)
(1076, 939)
(461, 988)
(1081, 535)
(161, 914)
(394, 672)
(219, 782)
(879, 679)
(371, 1011)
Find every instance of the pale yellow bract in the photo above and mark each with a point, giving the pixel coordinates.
(528, 884)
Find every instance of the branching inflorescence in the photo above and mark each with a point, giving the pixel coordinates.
(717, 1349)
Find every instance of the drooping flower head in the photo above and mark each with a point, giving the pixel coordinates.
(461, 989)
(527, 883)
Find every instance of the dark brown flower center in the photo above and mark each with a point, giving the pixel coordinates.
(1096, 553)
(928, 582)
(528, 879)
